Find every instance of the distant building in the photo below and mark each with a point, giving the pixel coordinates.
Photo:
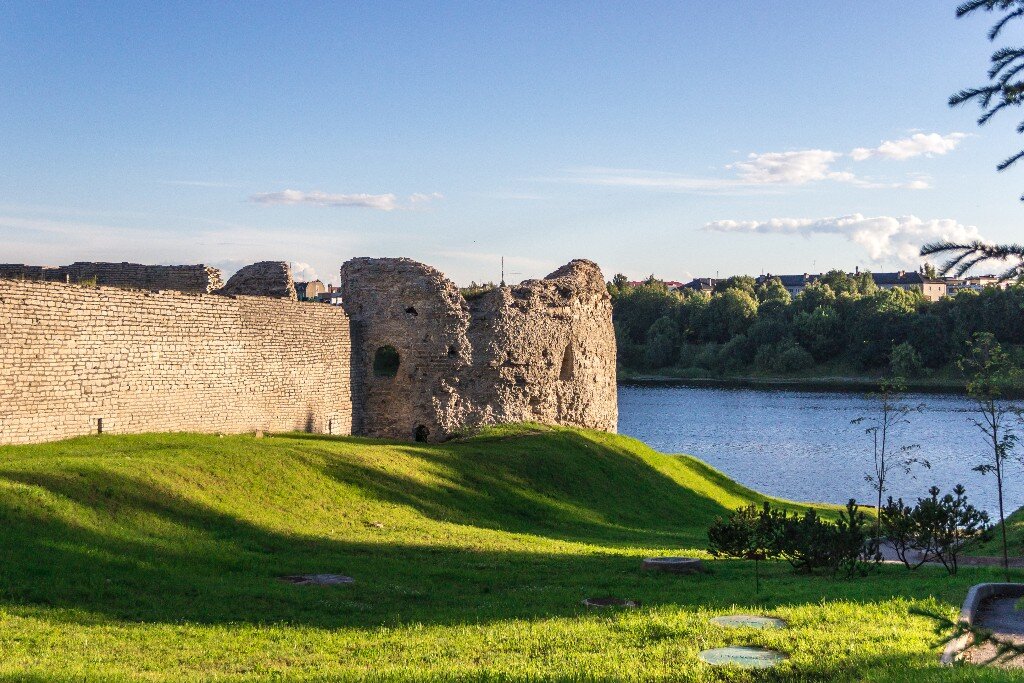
(974, 283)
(309, 291)
(331, 296)
(701, 284)
(671, 284)
(933, 289)
(794, 284)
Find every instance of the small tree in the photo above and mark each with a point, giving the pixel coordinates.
(904, 360)
(989, 373)
(807, 542)
(903, 526)
(937, 528)
(747, 534)
(957, 523)
(852, 550)
(884, 425)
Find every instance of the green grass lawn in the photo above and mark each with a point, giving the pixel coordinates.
(1014, 537)
(155, 557)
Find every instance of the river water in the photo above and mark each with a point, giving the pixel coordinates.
(801, 445)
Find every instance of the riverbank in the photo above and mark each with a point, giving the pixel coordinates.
(838, 383)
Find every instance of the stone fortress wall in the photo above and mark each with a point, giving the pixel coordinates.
(84, 359)
(80, 360)
(197, 279)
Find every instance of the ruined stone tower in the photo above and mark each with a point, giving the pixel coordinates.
(426, 363)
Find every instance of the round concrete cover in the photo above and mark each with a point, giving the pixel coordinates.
(681, 565)
(318, 579)
(746, 657)
(748, 621)
(610, 602)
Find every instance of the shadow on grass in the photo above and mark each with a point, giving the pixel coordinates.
(560, 485)
(199, 565)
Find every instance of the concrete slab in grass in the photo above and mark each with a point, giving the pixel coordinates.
(317, 579)
(676, 565)
(748, 621)
(744, 657)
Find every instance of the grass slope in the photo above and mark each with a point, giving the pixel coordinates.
(154, 557)
(1014, 537)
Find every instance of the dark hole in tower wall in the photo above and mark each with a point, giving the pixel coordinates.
(568, 364)
(386, 361)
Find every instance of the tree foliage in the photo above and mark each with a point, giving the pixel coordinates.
(862, 327)
(1004, 89)
(808, 542)
(1005, 86)
(990, 373)
(934, 529)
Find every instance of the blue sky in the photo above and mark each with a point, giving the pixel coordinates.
(683, 139)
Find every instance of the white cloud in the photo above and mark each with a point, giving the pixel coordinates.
(886, 239)
(760, 172)
(657, 180)
(789, 168)
(930, 144)
(424, 197)
(303, 272)
(767, 172)
(381, 202)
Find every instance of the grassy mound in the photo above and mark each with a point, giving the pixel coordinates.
(157, 557)
(1014, 538)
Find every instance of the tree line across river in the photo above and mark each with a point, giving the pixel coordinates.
(842, 324)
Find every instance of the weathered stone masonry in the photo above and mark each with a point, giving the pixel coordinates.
(196, 279)
(421, 362)
(541, 351)
(74, 356)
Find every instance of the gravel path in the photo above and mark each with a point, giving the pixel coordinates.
(889, 555)
(1006, 622)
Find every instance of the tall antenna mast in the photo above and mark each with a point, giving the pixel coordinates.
(511, 272)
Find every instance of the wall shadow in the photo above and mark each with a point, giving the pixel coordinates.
(189, 562)
(560, 485)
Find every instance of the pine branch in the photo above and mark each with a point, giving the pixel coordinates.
(970, 93)
(966, 256)
(1002, 91)
(1006, 163)
(1002, 22)
(988, 114)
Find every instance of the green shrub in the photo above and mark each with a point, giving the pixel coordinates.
(904, 361)
(736, 354)
(808, 542)
(708, 358)
(792, 358)
(937, 528)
